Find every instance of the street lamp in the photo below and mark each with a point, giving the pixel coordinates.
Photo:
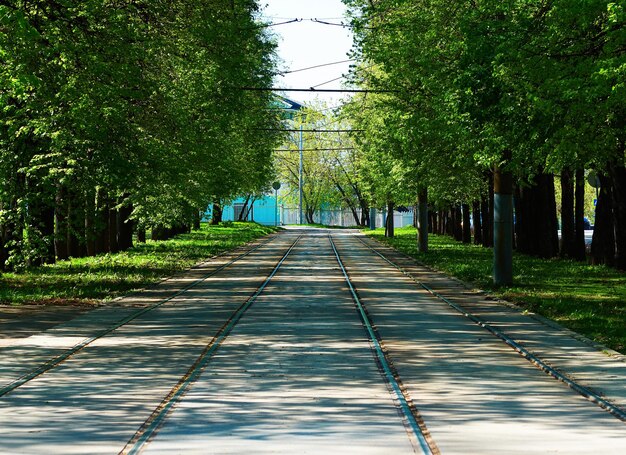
(300, 180)
(290, 108)
(276, 186)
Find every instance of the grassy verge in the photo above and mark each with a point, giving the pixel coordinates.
(88, 280)
(590, 300)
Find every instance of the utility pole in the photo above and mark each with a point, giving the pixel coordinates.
(503, 227)
(300, 182)
(276, 186)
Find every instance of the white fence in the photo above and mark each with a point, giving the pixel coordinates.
(344, 218)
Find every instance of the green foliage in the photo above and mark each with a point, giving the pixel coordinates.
(587, 299)
(470, 84)
(141, 102)
(329, 163)
(110, 275)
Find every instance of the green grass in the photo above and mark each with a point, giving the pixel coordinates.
(590, 300)
(89, 280)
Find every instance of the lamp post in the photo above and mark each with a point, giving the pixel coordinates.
(276, 186)
(300, 182)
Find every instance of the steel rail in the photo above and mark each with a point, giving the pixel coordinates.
(153, 423)
(589, 394)
(47, 366)
(382, 359)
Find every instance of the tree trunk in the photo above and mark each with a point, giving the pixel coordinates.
(603, 242)
(467, 228)
(538, 226)
(243, 214)
(102, 222)
(76, 223)
(389, 225)
(41, 221)
(487, 221)
(217, 214)
(617, 176)
(478, 229)
(141, 234)
(422, 221)
(90, 223)
(567, 214)
(580, 248)
(61, 223)
(113, 246)
(432, 226)
(197, 219)
(125, 225)
(6, 232)
(503, 227)
(365, 216)
(3, 252)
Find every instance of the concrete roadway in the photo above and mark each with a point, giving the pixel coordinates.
(297, 374)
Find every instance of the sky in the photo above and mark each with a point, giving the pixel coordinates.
(307, 43)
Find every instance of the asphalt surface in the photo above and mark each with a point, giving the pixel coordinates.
(297, 374)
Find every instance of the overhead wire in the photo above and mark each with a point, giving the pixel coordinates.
(317, 66)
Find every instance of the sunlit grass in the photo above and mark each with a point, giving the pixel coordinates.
(88, 280)
(590, 300)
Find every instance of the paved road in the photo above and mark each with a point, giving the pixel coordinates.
(297, 374)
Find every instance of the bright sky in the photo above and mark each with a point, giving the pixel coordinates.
(306, 43)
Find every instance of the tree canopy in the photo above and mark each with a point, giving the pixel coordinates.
(114, 115)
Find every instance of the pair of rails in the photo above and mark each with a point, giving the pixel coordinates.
(411, 414)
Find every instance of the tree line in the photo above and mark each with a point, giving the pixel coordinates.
(120, 117)
(476, 106)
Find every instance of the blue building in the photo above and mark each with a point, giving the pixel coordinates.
(262, 211)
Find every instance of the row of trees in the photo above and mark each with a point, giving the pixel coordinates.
(330, 166)
(474, 102)
(118, 117)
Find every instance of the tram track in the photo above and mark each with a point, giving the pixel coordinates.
(68, 353)
(152, 424)
(410, 412)
(300, 348)
(418, 433)
(592, 396)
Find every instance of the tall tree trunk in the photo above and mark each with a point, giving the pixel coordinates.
(422, 221)
(487, 222)
(603, 242)
(617, 176)
(567, 213)
(243, 214)
(432, 225)
(197, 219)
(478, 227)
(125, 224)
(389, 226)
(491, 211)
(579, 251)
(365, 216)
(449, 222)
(101, 222)
(7, 230)
(538, 226)
(457, 219)
(90, 223)
(217, 214)
(41, 219)
(503, 227)
(61, 222)
(76, 223)
(467, 228)
(112, 229)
